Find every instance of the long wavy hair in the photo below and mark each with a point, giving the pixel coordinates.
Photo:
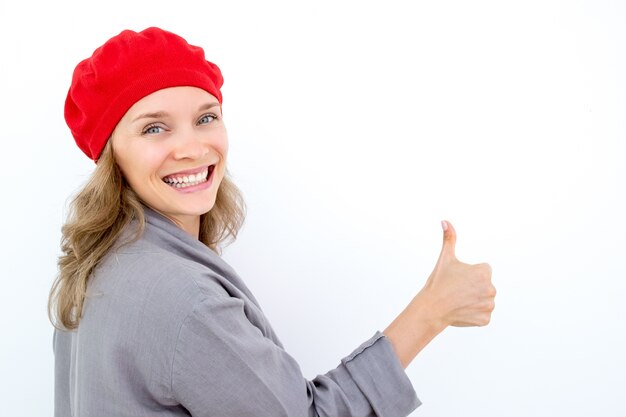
(99, 213)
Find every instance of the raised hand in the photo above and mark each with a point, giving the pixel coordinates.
(455, 294)
(460, 294)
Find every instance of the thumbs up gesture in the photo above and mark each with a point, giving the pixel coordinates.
(460, 294)
(455, 294)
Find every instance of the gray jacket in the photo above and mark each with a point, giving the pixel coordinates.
(169, 329)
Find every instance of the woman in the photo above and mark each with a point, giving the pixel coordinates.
(149, 319)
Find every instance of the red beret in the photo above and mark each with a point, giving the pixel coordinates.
(125, 69)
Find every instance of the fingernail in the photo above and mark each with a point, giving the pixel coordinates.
(444, 225)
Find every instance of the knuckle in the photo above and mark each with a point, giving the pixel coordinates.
(486, 306)
(484, 271)
(487, 270)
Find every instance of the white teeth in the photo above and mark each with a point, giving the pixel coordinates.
(187, 180)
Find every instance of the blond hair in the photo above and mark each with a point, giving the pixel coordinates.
(99, 213)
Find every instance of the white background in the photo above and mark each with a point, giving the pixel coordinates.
(355, 127)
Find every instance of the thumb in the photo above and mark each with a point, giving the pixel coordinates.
(449, 240)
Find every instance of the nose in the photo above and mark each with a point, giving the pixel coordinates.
(190, 144)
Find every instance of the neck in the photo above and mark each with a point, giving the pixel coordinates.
(190, 224)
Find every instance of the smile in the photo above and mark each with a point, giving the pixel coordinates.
(189, 180)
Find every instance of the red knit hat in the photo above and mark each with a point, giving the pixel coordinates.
(125, 69)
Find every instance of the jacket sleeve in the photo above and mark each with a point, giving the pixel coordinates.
(224, 366)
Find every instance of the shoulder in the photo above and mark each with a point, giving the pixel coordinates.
(143, 269)
(143, 293)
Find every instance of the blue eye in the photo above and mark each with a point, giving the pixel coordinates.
(152, 129)
(207, 118)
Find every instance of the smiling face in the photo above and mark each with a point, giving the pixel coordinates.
(171, 147)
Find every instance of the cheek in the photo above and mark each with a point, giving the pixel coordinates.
(139, 163)
(222, 146)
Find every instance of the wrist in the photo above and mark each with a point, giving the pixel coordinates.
(429, 311)
(413, 329)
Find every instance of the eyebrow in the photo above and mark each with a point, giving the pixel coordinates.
(161, 114)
